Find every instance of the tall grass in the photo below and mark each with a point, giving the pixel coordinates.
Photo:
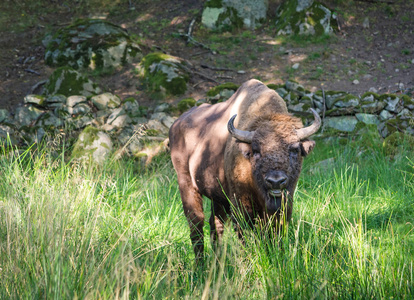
(118, 231)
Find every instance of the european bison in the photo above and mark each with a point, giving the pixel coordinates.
(253, 160)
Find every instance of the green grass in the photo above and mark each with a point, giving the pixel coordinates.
(118, 231)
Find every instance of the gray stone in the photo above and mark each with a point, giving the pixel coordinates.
(131, 107)
(106, 100)
(121, 121)
(367, 118)
(4, 115)
(115, 114)
(323, 166)
(79, 109)
(295, 66)
(52, 99)
(226, 94)
(71, 101)
(80, 122)
(6, 133)
(233, 14)
(393, 104)
(385, 115)
(293, 17)
(162, 107)
(27, 115)
(356, 81)
(35, 99)
(77, 46)
(345, 123)
(156, 125)
(92, 145)
(167, 121)
(49, 119)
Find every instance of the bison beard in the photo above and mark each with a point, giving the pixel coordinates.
(250, 168)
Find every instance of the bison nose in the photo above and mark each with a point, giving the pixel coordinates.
(276, 180)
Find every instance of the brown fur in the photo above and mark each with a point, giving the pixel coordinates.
(210, 162)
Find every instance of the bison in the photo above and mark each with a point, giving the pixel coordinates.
(245, 154)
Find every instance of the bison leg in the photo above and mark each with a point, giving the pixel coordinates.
(193, 210)
(219, 216)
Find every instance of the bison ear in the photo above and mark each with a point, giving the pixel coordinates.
(245, 149)
(306, 147)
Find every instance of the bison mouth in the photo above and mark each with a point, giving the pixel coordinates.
(275, 193)
(274, 200)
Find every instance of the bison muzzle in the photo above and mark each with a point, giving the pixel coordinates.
(244, 154)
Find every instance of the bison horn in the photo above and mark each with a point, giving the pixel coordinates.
(241, 135)
(303, 133)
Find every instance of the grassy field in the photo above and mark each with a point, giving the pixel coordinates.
(118, 231)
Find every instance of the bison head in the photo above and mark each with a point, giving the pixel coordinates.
(275, 148)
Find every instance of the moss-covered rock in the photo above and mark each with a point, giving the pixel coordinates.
(396, 139)
(67, 81)
(229, 15)
(165, 74)
(92, 44)
(186, 104)
(225, 86)
(92, 145)
(305, 17)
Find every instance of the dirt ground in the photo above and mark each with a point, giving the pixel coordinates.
(374, 48)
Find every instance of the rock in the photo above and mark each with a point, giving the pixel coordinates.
(105, 101)
(67, 82)
(228, 14)
(373, 90)
(367, 118)
(162, 107)
(71, 101)
(342, 105)
(131, 107)
(93, 44)
(7, 134)
(164, 74)
(323, 166)
(304, 17)
(92, 145)
(4, 115)
(385, 115)
(155, 127)
(365, 23)
(121, 121)
(295, 66)
(370, 103)
(35, 99)
(79, 109)
(115, 114)
(344, 124)
(52, 100)
(50, 120)
(392, 103)
(356, 81)
(27, 115)
(167, 121)
(80, 122)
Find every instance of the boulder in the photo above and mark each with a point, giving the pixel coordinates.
(164, 74)
(91, 44)
(230, 14)
(4, 115)
(92, 145)
(105, 101)
(66, 81)
(343, 124)
(304, 17)
(27, 115)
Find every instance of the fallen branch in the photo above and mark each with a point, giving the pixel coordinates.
(37, 85)
(216, 69)
(31, 71)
